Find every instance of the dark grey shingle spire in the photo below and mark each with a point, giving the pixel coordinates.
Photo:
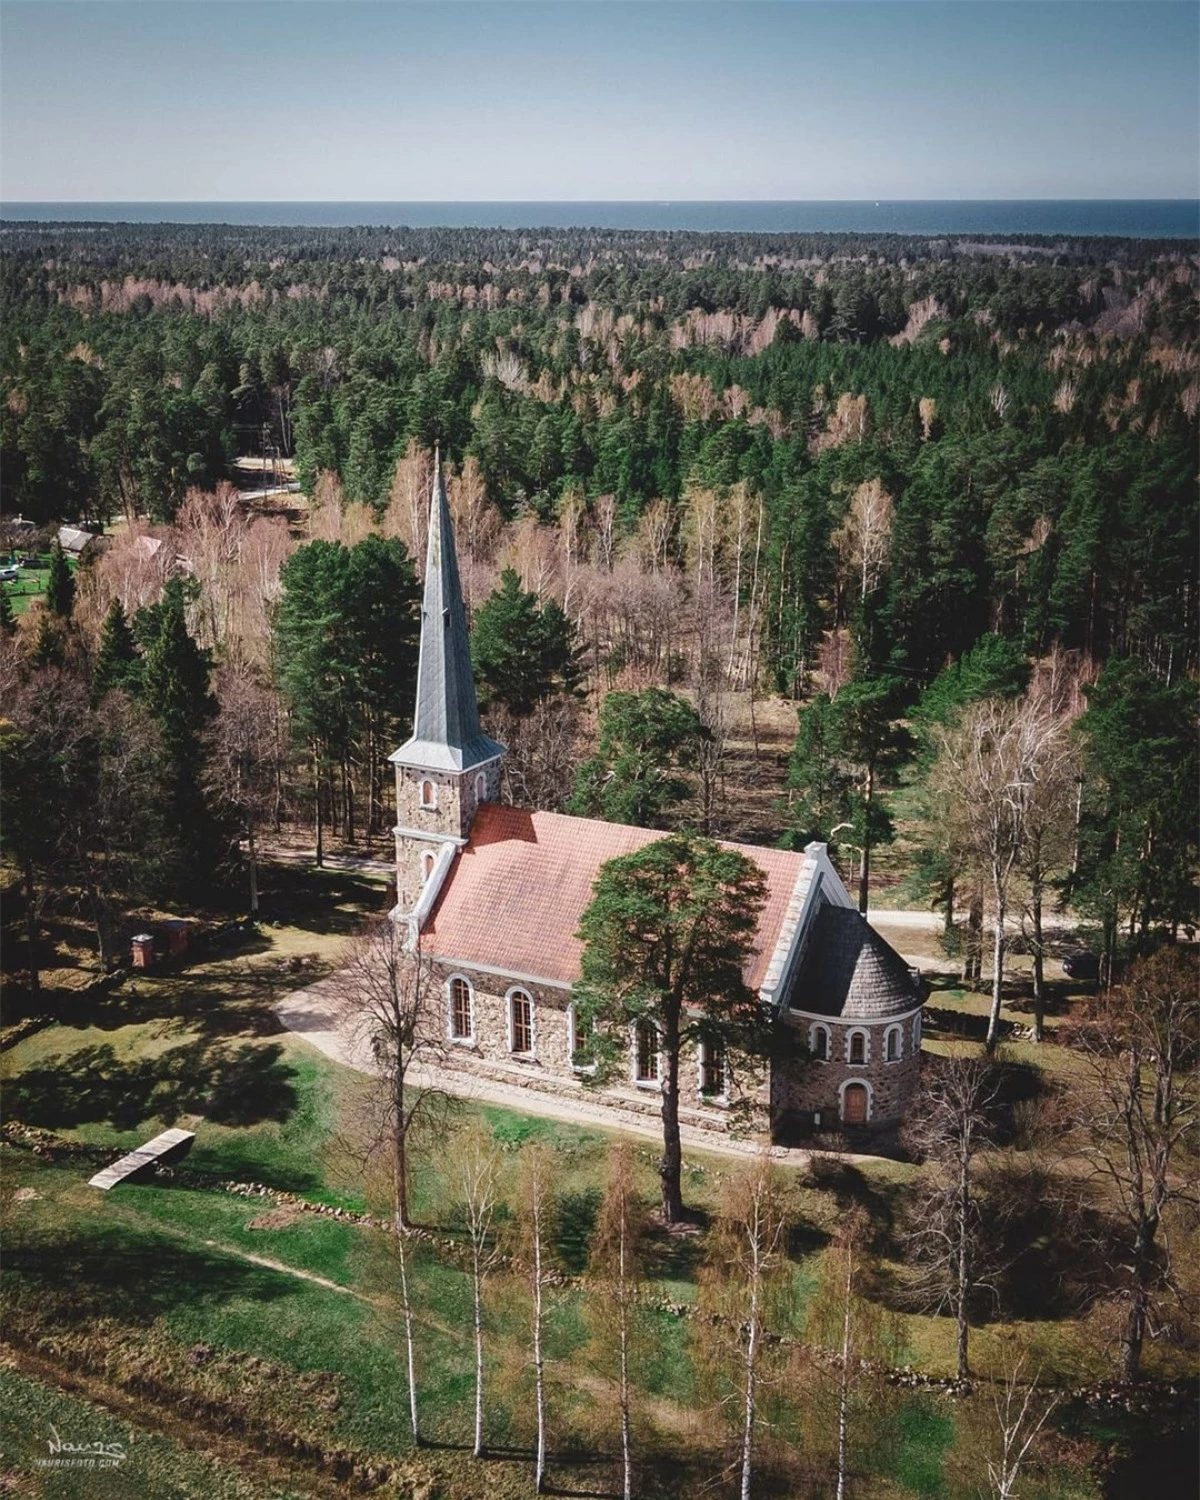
(446, 734)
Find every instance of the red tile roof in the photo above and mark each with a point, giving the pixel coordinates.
(514, 896)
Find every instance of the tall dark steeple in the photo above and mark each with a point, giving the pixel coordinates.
(448, 766)
(446, 734)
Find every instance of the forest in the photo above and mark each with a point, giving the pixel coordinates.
(830, 468)
(886, 542)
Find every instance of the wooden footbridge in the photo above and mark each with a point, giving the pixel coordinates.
(169, 1146)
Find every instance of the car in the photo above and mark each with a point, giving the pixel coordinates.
(8, 575)
(1082, 966)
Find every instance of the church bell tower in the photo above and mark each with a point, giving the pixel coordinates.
(448, 766)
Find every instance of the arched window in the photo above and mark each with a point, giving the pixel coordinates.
(818, 1043)
(578, 1032)
(462, 1010)
(893, 1044)
(429, 796)
(856, 1104)
(856, 1047)
(520, 1022)
(917, 1032)
(428, 859)
(714, 1078)
(645, 1053)
(481, 788)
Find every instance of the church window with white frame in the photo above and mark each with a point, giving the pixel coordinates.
(481, 788)
(462, 1010)
(916, 1032)
(428, 859)
(893, 1045)
(520, 1023)
(645, 1053)
(818, 1042)
(429, 795)
(858, 1049)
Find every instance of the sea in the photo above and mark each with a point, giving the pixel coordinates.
(1139, 218)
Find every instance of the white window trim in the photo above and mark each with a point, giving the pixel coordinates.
(432, 804)
(898, 1033)
(812, 1042)
(573, 1043)
(469, 1039)
(480, 788)
(865, 1033)
(861, 1083)
(644, 1083)
(916, 1033)
(710, 1098)
(428, 860)
(519, 989)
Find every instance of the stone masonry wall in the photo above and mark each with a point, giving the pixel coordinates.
(550, 1062)
(809, 1085)
(456, 803)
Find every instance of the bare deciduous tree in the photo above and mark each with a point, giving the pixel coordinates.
(746, 1265)
(865, 536)
(1140, 1112)
(994, 765)
(393, 1010)
(244, 748)
(863, 1337)
(951, 1124)
(616, 1266)
(536, 1207)
(1021, 1412)
(479, 1179)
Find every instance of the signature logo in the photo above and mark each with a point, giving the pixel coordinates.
(64, 1454)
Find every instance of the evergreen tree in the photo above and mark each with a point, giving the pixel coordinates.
(8, 621)
(646, 739)
(60, 586)
(522, 651)
(666, 937)
(174, 688)
(117, 659)
(1138, 845)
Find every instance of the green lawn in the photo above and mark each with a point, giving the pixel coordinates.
(190, 1300)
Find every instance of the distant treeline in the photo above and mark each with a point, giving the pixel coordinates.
(1027, 408)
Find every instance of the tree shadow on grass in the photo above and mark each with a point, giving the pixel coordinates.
(229, 1085)
(135, 1276)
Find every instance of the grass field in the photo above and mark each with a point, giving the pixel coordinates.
(242, 1347)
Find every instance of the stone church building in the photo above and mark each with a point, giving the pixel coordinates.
(492, 898)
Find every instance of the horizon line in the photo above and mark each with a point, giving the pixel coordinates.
(649, 202)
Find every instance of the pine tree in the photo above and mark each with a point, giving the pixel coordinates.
(174, 689)
(117, 658)
(646, 739)
(666, 936)
(8, 621)
(60, 586)
(522, 651)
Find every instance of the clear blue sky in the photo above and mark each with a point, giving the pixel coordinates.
(305, 99)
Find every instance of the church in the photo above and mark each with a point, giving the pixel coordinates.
(492, 896)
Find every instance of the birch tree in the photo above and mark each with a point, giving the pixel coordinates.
(862, 1337)
(616, 1263)
(536, 1209)
(1142, 1043)
(747, 1262)
(479, 1178)
(991, 773)
(952, 1121)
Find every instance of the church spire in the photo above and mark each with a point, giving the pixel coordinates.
(446, 734)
